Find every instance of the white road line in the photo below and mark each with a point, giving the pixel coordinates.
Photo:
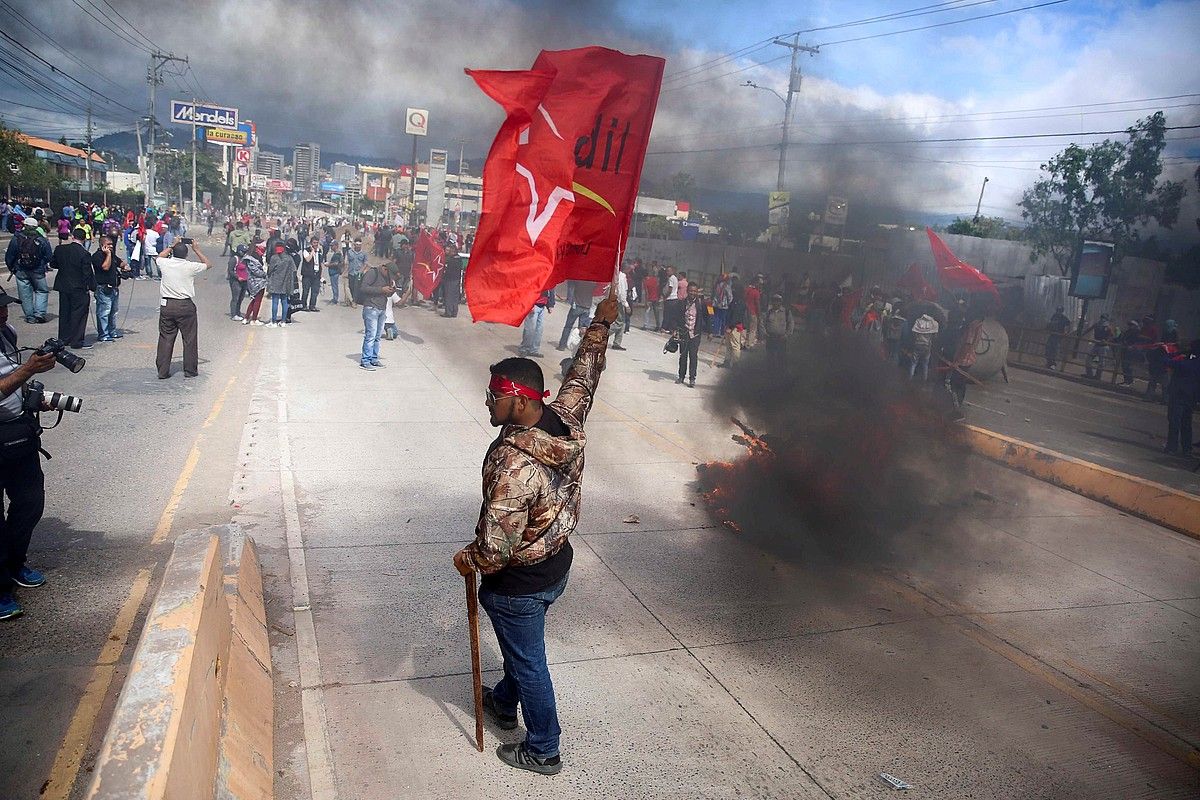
(322, 784)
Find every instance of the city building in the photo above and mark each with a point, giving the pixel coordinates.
(341, 172)
(306, 166)
(269, 165)
(377, 183)
(69, 163)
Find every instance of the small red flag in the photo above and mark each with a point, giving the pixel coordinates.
(954, 273)
(561, 177)
(429, 261)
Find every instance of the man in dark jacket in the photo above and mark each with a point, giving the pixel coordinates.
(452, 281)
(691, 320)
(27, 257)
(1182, 395)
(1058, 326)
(73, 282)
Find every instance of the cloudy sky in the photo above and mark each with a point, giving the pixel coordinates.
(342, 74)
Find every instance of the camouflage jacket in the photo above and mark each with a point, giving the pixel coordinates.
(532, 481)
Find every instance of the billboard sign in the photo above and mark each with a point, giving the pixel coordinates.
(258, 181)
(243, 169)
(279, 185)
(1092, 271)
(224, 136)
(333, 188)
(416, 121)
(836, 210)
(436, 192)
(183, 112)
(243, 155)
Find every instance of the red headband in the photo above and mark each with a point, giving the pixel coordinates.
(503, 387)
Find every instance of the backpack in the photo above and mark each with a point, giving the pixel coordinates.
(28, 253)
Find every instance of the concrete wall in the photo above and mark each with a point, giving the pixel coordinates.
(195, 716)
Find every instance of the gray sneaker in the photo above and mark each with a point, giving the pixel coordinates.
(368, 367)
(515, 755)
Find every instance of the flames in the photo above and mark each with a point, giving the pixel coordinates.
(722, 478)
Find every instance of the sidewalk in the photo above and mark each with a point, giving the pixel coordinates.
(688, 661)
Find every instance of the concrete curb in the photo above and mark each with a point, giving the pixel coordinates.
(1151, 501)
(195, 716)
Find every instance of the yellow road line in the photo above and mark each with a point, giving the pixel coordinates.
(79, 731)
(163, 529)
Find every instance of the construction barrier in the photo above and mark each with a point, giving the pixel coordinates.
(1156, 502)
(195, 717)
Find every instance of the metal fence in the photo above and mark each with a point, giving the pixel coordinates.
(1078, 355)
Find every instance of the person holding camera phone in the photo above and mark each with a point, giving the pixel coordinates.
(21, 478)
(107, 266)
(177, 307)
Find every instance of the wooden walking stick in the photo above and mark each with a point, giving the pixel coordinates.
(476, 671)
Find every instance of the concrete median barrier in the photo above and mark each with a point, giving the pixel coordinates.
(1152, 501)
(194, 719)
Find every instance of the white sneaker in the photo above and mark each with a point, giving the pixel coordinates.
(238, 318)
(259, 323)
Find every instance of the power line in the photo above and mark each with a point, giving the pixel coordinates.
(944, 24)
(936, 8)
(54, 43)
(69, 77)
(129, 24)
(116, 30)
(916, 141)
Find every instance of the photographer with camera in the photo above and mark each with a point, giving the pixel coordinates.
(177, 310)
(20, 470)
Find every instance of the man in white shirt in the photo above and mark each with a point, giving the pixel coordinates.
(618, 329)
(177, 309)
(672, 302)
(150, 255)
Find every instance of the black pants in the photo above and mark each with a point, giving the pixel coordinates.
(237, 293)
(176, 317)
(1052, 343)
(22, 481)
(689, 355)
(1179, 425)
(450, 293)
(671, 309)
(309, 286)
(73, 305)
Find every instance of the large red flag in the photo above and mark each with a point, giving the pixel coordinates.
(954, 273)
(562, 174)
(913, 281)
(429, 261)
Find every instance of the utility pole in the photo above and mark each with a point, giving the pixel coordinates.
(193, 157)
(412, 188)
(793, 88)
(154, 78)
(979, 205)
(87, 162)
(462, 144)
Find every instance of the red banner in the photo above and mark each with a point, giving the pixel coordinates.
(954, 273)
(429, 261)
(561, 177)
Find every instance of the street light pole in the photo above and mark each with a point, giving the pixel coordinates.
(793, 88)
(979, 205)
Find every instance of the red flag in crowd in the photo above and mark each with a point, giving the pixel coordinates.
(954, 273)
(561, 177)
(429, 261)
(913, 281)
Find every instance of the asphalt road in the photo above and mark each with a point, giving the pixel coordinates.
(1051, 653)
(1117, 430)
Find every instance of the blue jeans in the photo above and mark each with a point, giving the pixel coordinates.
(520, 625)
(531, 335)
(107, 300)
(34, 292)
(276, 301)
(718, 321)
(919, 363)
(576, 313)
(372, 330)
(150, 266)
(334, 279)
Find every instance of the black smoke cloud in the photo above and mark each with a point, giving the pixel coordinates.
(342, 75)
(864, 465)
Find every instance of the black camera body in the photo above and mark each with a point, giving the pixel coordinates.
(36, 397)
(58, 349)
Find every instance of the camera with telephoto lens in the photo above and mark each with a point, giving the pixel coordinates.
(36, 395)
(62, 355)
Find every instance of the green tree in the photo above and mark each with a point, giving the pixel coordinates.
(1107, 191)
(23, 168)
(682, 186)
(174, 170)
(984, 228)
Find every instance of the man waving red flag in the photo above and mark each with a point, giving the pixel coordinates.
(429, 261)
(954, 273)
(561, 177)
